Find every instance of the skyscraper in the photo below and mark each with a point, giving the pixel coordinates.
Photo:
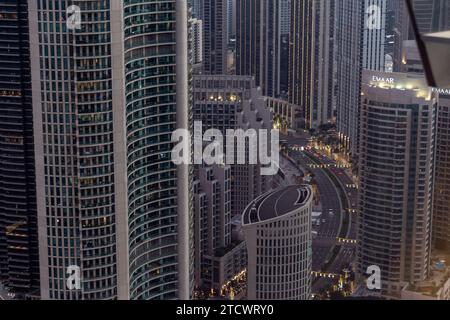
(277, 230)
(401, 33)
(233, 102)
(374, 35)
(432, 15)
(397, 150)
(196, 40)
(441, 212)
(231, 19)
(285, 17)
(196, 8)
(19, 260)
(215, 36)
(218, 255)
(348, 55)
(258, 43)
(311, 60)
(107, 95)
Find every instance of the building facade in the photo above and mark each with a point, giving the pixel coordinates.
(397, 150)
(348, 41)
(215, 36)
(19, 260)
(374, 40)
(233, 102)
(196, 40)
(258, 43)
(432, 15)
(311, 60)
(107, 94)
(218, 255)
(277, 230)
(441, 214)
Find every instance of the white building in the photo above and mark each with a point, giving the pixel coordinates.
(197, 40)
(277, 229)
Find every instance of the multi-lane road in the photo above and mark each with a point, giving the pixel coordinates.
(333, 210)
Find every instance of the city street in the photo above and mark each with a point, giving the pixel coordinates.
(332, 212)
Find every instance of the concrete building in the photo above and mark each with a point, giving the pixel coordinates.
(219, 256)
(212, 217)
(107, 95)
(196, 40)
(234, 102)
(19, 259)
(441, 212)
(397, 155)
(277, 230)
(287, 116)
(436, 287)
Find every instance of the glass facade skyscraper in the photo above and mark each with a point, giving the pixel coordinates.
(258, 43)
(19, 260)
(311, 60)
(348, 46)
(107, 97)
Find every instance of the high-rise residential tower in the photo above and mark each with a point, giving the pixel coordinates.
(397, 154)
(441, 212)
(285, 17)
(348, 55)
(311, 60)
(401, 33)
(196, 40)
(19, 261)
(215, 36)
(109, 89)
(232, 102)
(277, 230)
(220, 254)
(196, 8)
(432, 15)
(231, 19)
(258, 43)
(374, 39)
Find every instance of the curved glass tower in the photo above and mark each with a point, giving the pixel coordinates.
(107, 95)
(151, 106)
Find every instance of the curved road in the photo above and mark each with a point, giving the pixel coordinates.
(332, 211)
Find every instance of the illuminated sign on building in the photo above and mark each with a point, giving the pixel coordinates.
(382, 79)
(441, 91)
